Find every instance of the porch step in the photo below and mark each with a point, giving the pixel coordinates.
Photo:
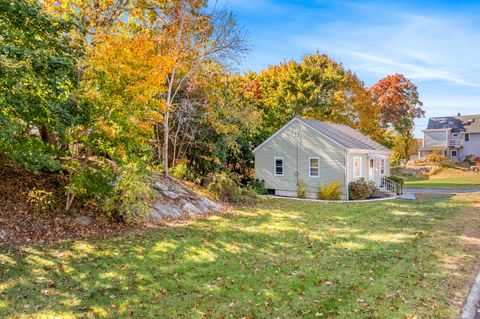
(384, 193)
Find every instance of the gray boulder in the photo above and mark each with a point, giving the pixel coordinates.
(173, 199)
(3, 234)
(210, 204)
(161, 211)
(189, 207)
(171, 195)
(160, 186)
(83, 220)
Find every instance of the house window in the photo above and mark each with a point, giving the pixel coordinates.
(467, 137)
(278, 166)
(357, 167)
(454, 153)
(382, 166)
(314, 166)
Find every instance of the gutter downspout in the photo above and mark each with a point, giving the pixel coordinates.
(296, 169)
(346, 174)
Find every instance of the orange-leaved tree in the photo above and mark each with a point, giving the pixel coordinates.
(190, 34)
(399, 103)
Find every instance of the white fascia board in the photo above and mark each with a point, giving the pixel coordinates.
(436, 129)
(376, 155)
(365, 151)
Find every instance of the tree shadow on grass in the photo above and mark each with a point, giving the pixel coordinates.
(286, 261)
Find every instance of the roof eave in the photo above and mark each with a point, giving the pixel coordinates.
(364, 150)
(437, 129)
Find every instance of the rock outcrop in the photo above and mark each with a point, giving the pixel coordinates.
(3, 234)
(173, 200)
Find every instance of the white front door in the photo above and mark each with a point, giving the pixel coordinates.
(371, 168)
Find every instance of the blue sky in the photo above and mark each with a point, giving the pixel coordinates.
(436, 44)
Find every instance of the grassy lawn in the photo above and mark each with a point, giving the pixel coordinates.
(448, 178)
(279, 259)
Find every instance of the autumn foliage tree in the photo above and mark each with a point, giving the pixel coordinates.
(316, 87)
(214, 124)
(398, 100)
(117, 88)
(125, 93)
(191, 36)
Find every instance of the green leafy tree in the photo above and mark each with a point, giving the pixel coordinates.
(37, 75)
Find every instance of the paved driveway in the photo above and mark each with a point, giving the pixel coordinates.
(440, 191)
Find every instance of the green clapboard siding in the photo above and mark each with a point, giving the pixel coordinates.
(310, 144)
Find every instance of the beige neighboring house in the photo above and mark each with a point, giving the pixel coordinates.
(457, 136)
(318, 153)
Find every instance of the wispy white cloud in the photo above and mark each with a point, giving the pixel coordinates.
(437, 45)
(439, 51)
(382, 66)
(423, 47)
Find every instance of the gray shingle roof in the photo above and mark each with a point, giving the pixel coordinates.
(462, 123)
(345, 135)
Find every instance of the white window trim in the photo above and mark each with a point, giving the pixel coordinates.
(310, 167)
(353, 166)
(275, 165)
(384, 162)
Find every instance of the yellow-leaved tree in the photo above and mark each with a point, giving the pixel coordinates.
(127, 75)
(190, 34)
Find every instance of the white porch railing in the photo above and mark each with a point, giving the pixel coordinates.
(384, 184)
(455, 142)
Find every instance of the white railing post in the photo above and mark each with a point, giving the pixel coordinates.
(389, 185)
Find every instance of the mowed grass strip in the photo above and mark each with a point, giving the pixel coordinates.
(448, 178)
(279, 259)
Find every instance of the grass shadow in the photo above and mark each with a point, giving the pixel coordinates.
(278, 259)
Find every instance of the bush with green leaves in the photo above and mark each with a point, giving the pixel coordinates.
(226, 186)
(258, 186)
(131, 194)
(179, 171)
(471, 160)
(88, 181)
(32, 154)
(332, 191)
(361, 189)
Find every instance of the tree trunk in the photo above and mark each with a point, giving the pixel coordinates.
(165, 143)
(46, 135)
(407, 154)
(158, 141)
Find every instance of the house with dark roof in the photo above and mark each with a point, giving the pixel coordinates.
(318, 153)
(456, 136)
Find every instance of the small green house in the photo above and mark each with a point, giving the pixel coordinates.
(318, 153)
